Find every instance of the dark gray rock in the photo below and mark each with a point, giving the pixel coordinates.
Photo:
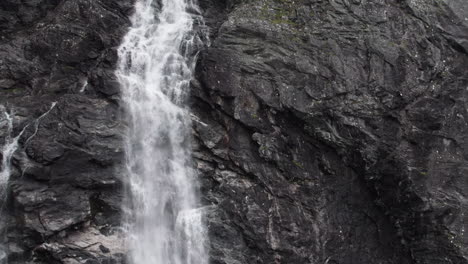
(341, 130)
(57, 82)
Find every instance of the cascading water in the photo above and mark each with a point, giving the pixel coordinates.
(8, 149)
(156, 63)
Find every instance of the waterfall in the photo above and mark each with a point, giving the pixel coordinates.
(8, 149)
(157, 58)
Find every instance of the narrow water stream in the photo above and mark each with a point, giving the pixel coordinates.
(8, 149)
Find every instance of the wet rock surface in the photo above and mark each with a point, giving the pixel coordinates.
(56, 81)
(335, 132)
(325, 131)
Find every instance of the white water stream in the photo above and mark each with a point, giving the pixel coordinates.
(156, 64)
(8, 149)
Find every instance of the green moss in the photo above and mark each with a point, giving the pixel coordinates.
(279, 12)
(298, 164)
(297, 39)
(69, 68)
(12, 90)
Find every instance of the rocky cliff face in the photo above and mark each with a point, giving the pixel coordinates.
(57, 82)
(325, 131)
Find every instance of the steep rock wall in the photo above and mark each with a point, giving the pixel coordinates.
(334, 132)
(64, 193)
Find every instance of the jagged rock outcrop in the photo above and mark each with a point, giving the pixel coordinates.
(57, 82)
(335, 132)
(325, 131)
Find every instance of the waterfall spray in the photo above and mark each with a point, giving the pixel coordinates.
(156, 64)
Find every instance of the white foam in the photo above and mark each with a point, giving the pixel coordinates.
(156, 63)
